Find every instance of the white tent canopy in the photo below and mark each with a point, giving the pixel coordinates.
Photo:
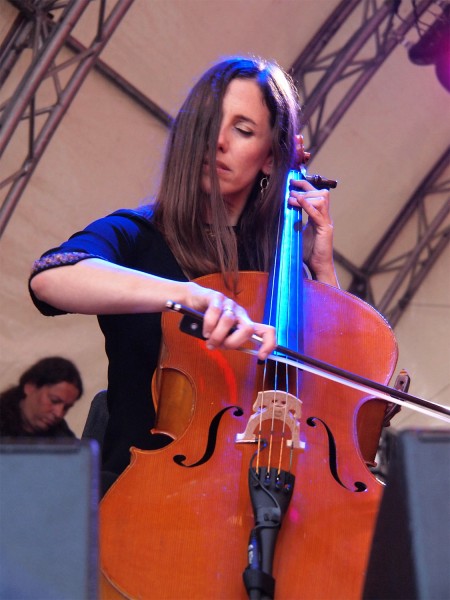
(107, 152)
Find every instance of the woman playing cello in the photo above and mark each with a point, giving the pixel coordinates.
(223, 186)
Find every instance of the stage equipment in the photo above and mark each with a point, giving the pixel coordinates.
(48, 519)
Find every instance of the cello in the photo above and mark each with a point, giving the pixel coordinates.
(265, 490)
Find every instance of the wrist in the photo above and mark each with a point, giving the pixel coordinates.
(327, 275)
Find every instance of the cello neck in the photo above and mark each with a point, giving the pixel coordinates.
(283, 307)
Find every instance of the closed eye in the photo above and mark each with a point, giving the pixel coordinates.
(244, 132)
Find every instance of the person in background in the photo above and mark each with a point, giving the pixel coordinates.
(218, 210)
(37, 405)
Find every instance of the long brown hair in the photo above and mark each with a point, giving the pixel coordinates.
(181, 205)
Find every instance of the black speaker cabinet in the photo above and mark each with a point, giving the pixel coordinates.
(48, 520)
(410, 557)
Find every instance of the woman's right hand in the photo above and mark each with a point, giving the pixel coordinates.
(221, 314)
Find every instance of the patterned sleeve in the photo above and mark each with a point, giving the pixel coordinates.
(114, 238)
(58, 259)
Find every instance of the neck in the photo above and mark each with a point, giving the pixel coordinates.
(234, 211)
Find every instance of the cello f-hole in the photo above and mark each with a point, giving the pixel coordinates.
(212, 438)
(359, 486)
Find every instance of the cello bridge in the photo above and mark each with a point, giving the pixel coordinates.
(274, 405)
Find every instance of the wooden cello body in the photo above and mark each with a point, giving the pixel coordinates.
(176, 524)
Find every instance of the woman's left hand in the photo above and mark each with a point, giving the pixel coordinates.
(318, 232)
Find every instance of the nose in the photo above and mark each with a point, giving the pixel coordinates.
(58, 411)
(222, 140)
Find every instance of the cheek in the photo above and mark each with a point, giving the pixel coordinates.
(44, 407)
(255, 159)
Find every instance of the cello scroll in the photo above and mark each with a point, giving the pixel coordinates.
(319, 182)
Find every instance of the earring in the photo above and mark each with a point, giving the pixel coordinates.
(263, 184)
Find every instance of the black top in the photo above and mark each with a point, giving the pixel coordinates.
(132, 342)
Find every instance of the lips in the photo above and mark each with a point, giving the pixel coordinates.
(222, 166)
(219, 166)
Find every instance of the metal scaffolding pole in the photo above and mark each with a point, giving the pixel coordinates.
(377, 31)
(51, 36)
(349, 67)
(429, 207)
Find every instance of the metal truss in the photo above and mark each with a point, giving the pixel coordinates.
(423, 222)
(329, 77)
(41, 28)
(330, 74)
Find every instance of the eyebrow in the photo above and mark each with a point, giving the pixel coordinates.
(246, 119)
(60, 400)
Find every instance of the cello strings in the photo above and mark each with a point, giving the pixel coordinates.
(291, 287)
(287, 312)
(271, 303)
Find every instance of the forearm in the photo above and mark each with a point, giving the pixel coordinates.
(319, 254)
(328, 275)
(94, 286)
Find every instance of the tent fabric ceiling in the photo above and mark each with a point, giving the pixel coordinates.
(107, 151)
